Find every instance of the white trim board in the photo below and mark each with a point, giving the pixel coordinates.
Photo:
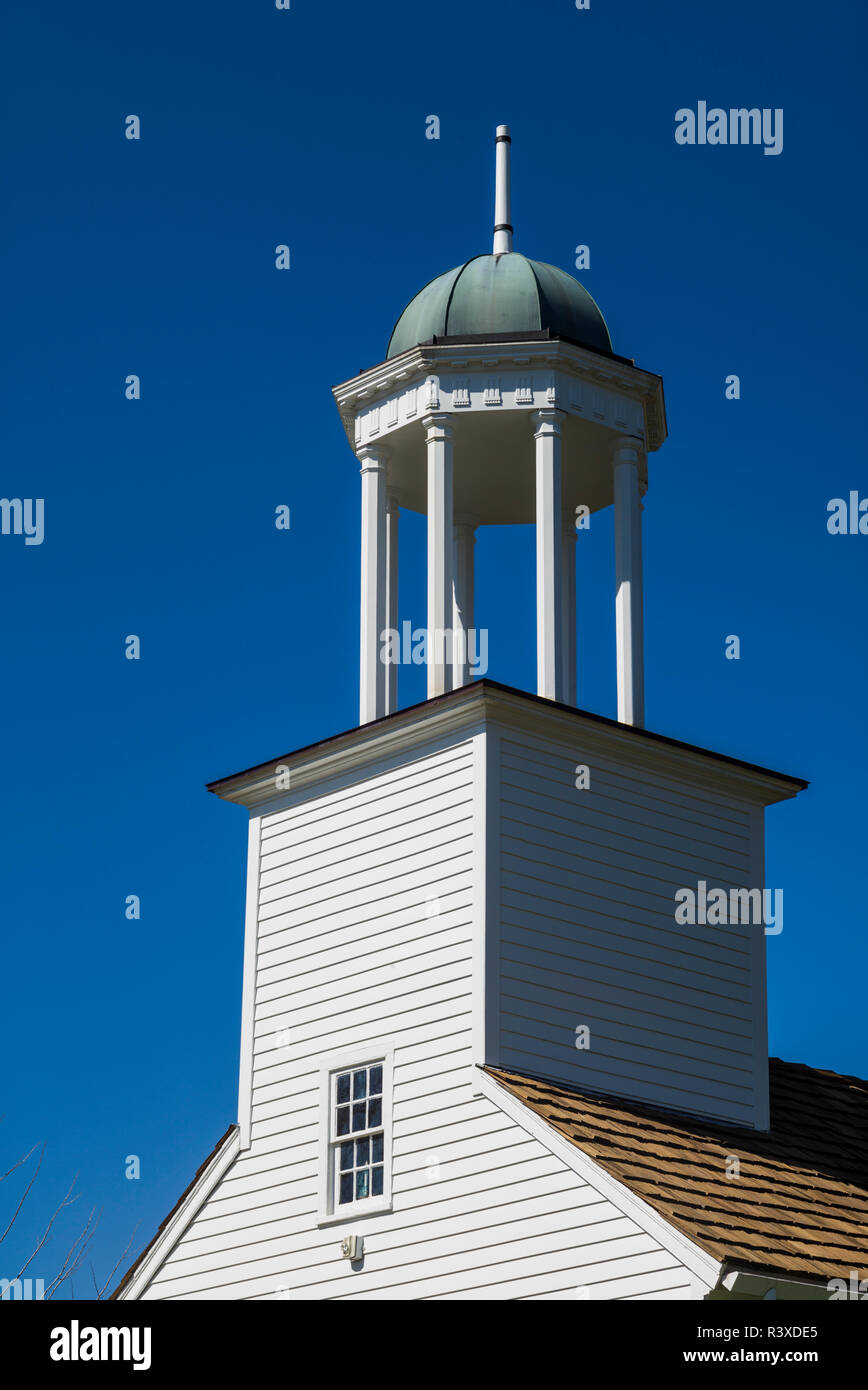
(248, 988)
(165, 1241)
(697, 1260)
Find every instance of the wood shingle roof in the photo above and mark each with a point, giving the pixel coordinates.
(799, 1205)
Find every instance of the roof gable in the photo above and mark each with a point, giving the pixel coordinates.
(800, 1203)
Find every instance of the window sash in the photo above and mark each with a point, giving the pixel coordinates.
(337, 1142)
(378, 1052)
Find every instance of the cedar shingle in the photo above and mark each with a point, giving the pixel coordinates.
(800, 1204)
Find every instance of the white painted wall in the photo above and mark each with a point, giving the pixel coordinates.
(369, 893)
(588, 934)
(504, 1219)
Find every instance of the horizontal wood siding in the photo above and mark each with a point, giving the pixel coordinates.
(588, 933)
(482, 1211)
(366, 917)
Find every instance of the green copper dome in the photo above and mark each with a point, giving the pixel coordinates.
(501, 294)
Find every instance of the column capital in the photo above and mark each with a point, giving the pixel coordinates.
(372, 458)
(627, 448)
(547, 420)
(437, 426)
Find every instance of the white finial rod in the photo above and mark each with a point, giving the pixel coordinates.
(502, 223)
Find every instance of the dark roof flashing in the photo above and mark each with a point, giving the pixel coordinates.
(485, 685)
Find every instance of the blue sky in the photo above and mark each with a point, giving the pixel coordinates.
(156, 257)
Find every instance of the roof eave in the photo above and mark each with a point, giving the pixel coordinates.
(486, 698)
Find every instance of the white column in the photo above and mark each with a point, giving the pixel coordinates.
(549, 580)
(628, 582)
(438, 436)
(462, 600)
(568, 607)
(392, 513)
(372, 672)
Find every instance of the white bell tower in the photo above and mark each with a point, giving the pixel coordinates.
(501, 401)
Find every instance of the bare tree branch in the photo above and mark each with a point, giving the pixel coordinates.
(26, 1190)
(20, 1161)
(66, 1202)
(117, 1265)
(75, 1255)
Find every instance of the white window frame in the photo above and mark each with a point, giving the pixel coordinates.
(351, 1059)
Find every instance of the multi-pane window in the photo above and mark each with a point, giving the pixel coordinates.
(357, 1134)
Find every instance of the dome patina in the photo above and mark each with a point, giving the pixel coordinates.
(496, 294)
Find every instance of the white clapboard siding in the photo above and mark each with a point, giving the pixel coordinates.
(371, 894)
(588, 933)
(503, 1218)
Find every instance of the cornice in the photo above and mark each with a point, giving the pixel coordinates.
(641, 749)
(484, 703)
(377, 383)
(369, 744)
